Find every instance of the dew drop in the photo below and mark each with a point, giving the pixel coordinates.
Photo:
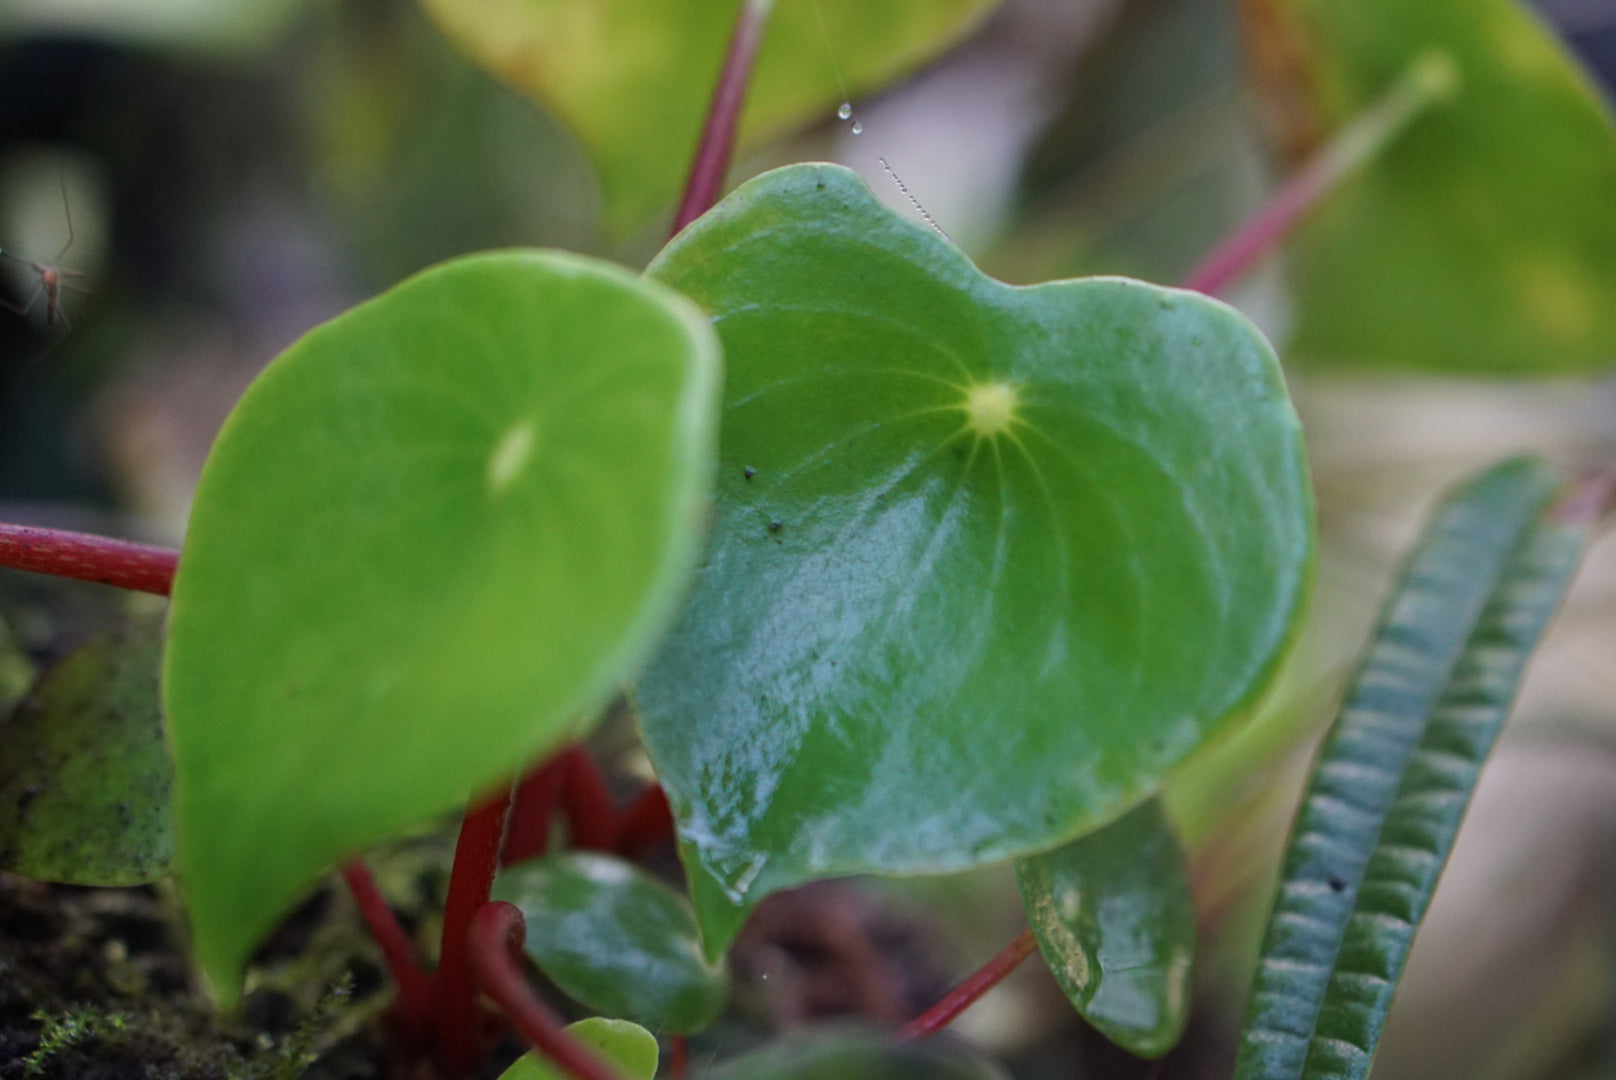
(846, 111)
(857, 128)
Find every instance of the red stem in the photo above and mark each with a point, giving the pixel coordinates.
(85, 557)
(414, 988)
(717, 144)
(679, 1056)
(645, 824)
(589, 805)
(967, 993)
(532, 809)
(495, 934)
(476, 858)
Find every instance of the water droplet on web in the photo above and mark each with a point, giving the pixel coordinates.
(857, 128)
(846, 111)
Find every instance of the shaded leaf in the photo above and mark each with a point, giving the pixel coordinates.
(1395, 773)
(1114, 920)
(429, 542)
(633, 77)
(1483, 238)
(854, 1055)
(628, 1046)
(616, 939)
(85, 777)
(987, 561)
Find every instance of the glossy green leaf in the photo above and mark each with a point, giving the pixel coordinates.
(987, 560)
(616, 939)
(1483, 238)
(1396, 771)
(430, 541)
(85, 777)
(633, 77)
(628, 1046)
(1114, 920)
(855, 1055)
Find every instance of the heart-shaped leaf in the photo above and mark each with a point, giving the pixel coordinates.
(431, 539)
(1114, 920)
(85, 779)
(1483, 238)
(987, 560)
(628, 1046)
(633, 77)
(616, 939)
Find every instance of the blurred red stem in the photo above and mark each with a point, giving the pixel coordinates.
(645, 824)
(414, 988)
(476, 858)
(717, 144)
(680, 1055)
(495, 934)
(532, 810)
(85, 557)
(589, 805)
(967, 993)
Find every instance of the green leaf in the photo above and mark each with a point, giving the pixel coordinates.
(1396, 771)
(854, 1055)
(215, 25)
(617, 939)
(1483, 238)
(987, 560)
(626, 1045)
(633, 77)
(430, 541)
(1114, 920)
(85, 779)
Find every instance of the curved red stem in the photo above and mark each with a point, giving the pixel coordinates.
(476, 858)
(86, 557)
(967, 993)
(590, 812)
(496, 932)
(533, 807)
(414, 988)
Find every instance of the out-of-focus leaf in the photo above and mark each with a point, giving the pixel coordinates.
(432, 539)
(1395, 773)
(852, 1055)
(616, 939)
(987, 561)
(85, 777)
(1483, 238)
(1114, 920)
(228, 25)
(627, 1045)
(633, 77)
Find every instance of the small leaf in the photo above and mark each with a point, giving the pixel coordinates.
(855, 1055)
(628, 1046)
(987, 561)
(633, 77)
(1396, 771)
(1482, 239)
(616, 939)
(428, 544)
(1114, 920)
(85, 778)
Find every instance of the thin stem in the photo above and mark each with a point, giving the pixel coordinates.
(476, 858)
(646, 823)
(85, 557)
(414, 988)
(589, 805)
(680, 1056)
(967, 993)
(1431, 78)
(717, 144)
(532, 810)
(1590, 500)
(496, 932)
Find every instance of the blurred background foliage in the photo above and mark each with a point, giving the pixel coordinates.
(227, 173)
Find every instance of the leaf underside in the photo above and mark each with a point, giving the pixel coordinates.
(1395, 774)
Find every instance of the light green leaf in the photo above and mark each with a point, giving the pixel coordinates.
(1395, 773)
(626, 1045)
(1114, 920)
(987, 561)
(1483, 239)
(429, 542)
(633, 77)
(855, 1055)
(616, 939)
(85, 779)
